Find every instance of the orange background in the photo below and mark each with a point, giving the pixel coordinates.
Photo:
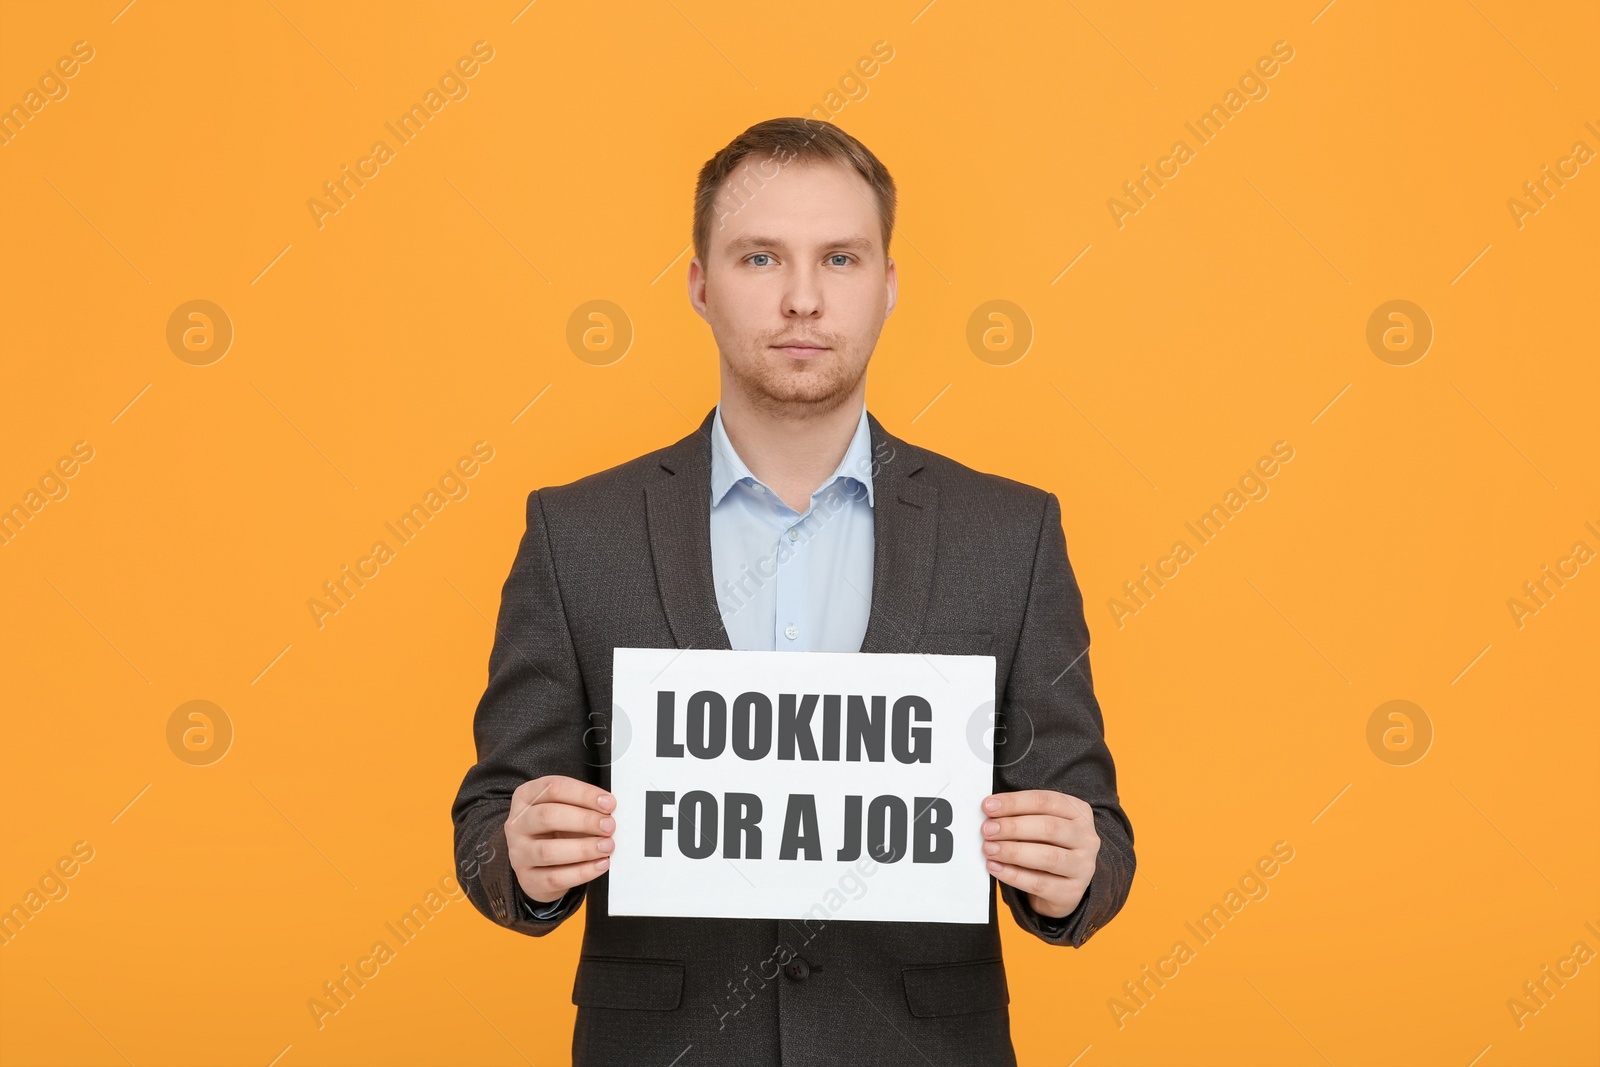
(1229, 313)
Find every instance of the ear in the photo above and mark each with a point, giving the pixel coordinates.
(893, 282)
(697, 287)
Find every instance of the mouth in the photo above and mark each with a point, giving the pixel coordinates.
(801, 351)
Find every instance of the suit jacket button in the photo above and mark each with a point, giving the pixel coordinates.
(797, 970)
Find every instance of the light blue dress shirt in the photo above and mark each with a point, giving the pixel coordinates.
(788, 581)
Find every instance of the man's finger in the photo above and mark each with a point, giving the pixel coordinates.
(560, 789)
(1046, 858)
(1051, 829)
(551, 817)
(552, 883)
(1037, 883)
(1034, 802)
(560, 851)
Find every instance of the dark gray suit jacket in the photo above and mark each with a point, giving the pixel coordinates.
(964, 563)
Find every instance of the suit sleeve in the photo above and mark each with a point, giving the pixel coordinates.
(1054, 736)
(530, 722)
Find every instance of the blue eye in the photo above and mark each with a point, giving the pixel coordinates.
(840, 255)
(759, 255)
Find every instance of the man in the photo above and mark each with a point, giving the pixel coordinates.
(790, 519)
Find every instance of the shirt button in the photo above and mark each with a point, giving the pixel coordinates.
(792, 632)
(794, 534)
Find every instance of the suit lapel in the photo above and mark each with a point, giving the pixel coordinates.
(905, 527)
(678, 510)
(905, 524)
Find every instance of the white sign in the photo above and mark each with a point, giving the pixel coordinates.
(786, 785)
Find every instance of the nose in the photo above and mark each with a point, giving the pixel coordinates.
(803, 297)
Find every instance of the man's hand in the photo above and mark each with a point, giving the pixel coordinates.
(559, 835)
(1043, 843)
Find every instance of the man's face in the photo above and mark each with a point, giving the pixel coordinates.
(796, 284)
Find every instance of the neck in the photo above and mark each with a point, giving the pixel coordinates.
(790, 450)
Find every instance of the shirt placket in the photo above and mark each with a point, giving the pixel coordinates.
(792, 627)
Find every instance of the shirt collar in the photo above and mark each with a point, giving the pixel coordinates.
(727, 469)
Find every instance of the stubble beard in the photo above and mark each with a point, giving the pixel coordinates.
(783, 388)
